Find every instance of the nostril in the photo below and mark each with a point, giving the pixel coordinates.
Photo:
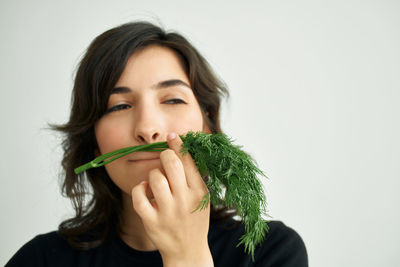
(149, 137)
(155, 136)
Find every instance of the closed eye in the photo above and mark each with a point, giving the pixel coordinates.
(118, 107)
(174, 101)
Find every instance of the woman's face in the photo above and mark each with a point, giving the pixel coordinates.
(151, 99)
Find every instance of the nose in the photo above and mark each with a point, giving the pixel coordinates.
(148, 125)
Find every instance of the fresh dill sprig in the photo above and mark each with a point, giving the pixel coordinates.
(226, 165)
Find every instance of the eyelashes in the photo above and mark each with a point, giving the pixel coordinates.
(117, 108)
(173, 101)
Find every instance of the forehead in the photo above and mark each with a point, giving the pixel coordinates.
(151, 65)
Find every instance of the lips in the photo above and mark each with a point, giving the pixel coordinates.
(144, 156)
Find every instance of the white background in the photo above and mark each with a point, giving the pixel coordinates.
(315, 90)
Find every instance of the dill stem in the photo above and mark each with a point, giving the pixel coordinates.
(111, 156)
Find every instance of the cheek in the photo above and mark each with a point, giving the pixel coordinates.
(191, 121)
(109, 135)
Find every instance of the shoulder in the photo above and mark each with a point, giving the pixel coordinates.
(280, 233)
(289, 247)
(51, 238)
(282, 246)
(35, 251)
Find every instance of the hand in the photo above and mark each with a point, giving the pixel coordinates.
(179, 232)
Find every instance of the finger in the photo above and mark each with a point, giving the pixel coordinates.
(193, 177)
(174, 171)
(161, 190)
(141, 203)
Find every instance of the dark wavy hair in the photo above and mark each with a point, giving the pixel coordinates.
(96, 199)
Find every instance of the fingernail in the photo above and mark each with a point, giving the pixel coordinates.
(171, 136)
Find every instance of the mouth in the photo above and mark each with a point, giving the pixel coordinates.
(142, 160)
(144, 157)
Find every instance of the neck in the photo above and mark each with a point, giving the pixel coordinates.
(133, 232)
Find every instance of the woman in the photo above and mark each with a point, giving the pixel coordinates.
(136, 85)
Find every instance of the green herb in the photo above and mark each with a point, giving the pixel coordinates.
(227, 166)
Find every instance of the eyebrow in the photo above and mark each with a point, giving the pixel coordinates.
(160, 85)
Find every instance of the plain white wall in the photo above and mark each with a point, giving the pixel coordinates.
(315, 90)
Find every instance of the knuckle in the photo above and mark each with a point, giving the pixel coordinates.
(173, 160)
(134, 189)
(135, 192)
(139, 206)
(153, 173)
(205, 190)
(157, 181)
(138, 203)
(201, 192)
(167, 153)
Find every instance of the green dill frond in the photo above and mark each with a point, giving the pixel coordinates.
(226, 164)
(205, 201)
